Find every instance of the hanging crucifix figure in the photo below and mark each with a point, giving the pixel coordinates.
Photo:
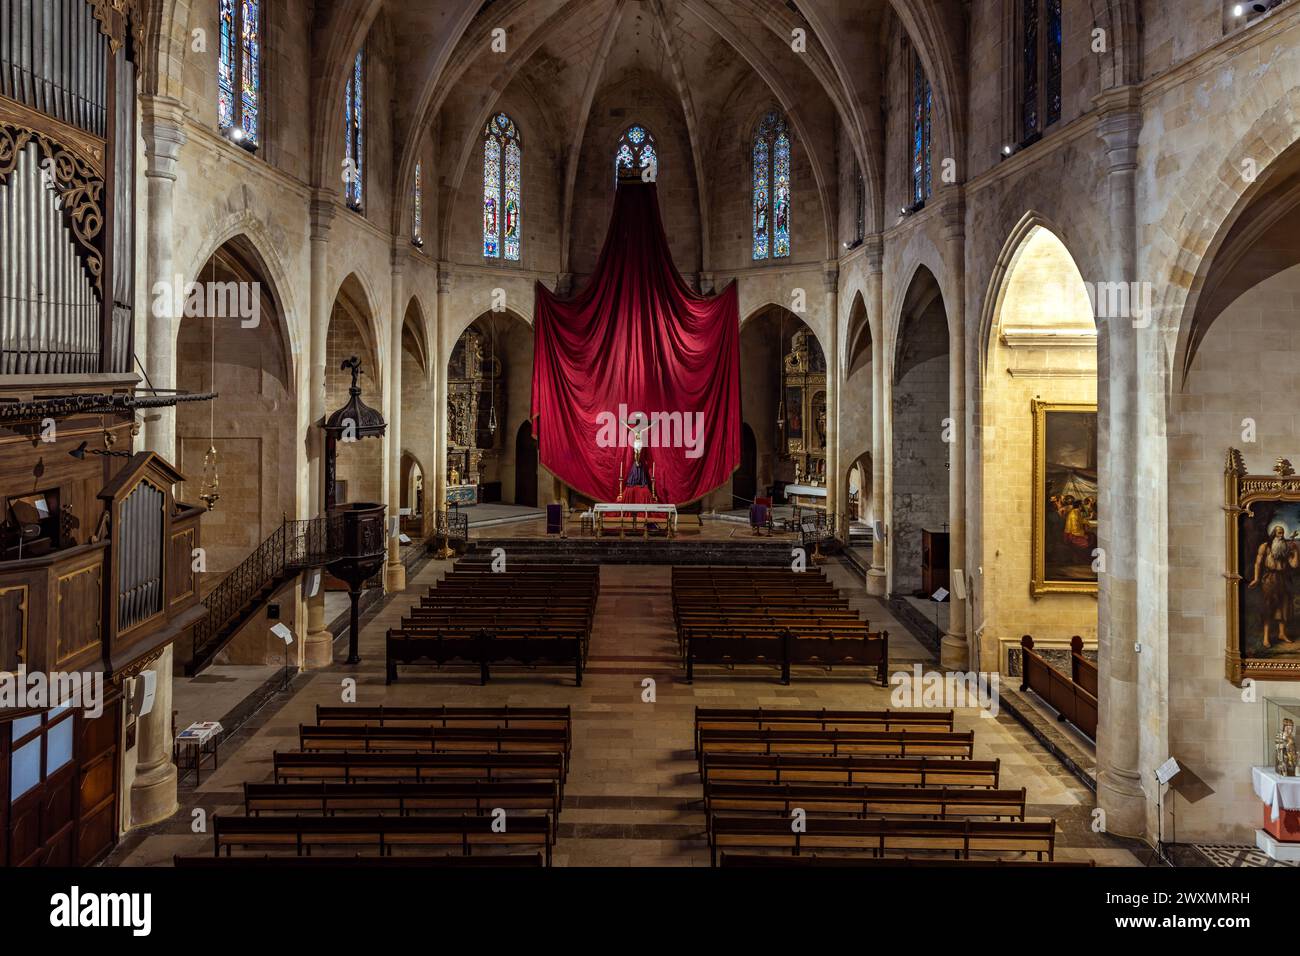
(638, 475)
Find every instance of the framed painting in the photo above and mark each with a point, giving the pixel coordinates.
(1263, 565)
(1065, 498)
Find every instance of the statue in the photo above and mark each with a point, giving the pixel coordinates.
(1284, 755)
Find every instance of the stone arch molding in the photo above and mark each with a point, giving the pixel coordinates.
(265, 241)
(1003, 268)
(377, 328)
(1208, 216)
(929, 257)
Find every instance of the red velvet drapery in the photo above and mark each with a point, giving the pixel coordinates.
(636, 339)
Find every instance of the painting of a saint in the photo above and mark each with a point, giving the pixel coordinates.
(1066, 498)
(1269, 552)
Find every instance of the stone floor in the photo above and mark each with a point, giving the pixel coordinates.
(632, 796)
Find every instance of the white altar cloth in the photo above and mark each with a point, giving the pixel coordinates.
(1278, 792)
(645, 509)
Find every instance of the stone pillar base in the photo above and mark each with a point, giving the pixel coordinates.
(318, 650)
(153, 795)
(876, 582)
(954, 652)
(394, 577)
(1124, 803)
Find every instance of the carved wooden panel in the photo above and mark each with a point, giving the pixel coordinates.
(13, 626)
(79, 618)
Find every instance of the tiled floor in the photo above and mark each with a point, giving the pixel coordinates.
(632, 796)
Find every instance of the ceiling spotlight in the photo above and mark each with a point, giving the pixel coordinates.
(1238, 10)
(1006, 150)
(236, 134)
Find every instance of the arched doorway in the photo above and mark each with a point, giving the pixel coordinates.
(359, 474)
(526, 466)
(744, 483)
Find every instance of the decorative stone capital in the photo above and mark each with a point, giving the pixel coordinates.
(444, 278)
(162, 127)
(323, 209)
(952, 214)
(873, 247)
(1119, 125)
(831, 277)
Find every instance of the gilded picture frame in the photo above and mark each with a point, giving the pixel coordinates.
(1260, 603)
(1065, 499)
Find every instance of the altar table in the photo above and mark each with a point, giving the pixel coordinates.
(644, 511)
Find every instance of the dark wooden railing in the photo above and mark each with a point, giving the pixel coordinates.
(1069, 697)
(295, 546)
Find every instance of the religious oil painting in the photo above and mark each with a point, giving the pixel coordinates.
(1263, 572)
(1065, 498)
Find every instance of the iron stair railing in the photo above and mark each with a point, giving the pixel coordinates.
(295, 546)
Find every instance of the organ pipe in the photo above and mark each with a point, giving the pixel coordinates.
(49, 309)
(140, 558)
(53, 58)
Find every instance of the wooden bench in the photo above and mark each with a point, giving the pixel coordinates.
(384, 834)
(353, 767)
(1071, 700)
(413, 644)
(379, 799)
(880, 771)
(430, 739)
(555, 718)
(862, 801)
(712, 718)
(879, 836)
(511, 861)
(759, 860)
(787, 649)
(832, 743)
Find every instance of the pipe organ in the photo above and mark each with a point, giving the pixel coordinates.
(97, 573)
(67, 185)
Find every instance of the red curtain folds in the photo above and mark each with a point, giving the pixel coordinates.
(636, 339)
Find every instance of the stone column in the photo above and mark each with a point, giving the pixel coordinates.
(954, 649)
(153, 788)
(438, 359)
(831, 278)
(1119, 781)
(395, 571)
(876, 578)
(318, 646)
(162, 128)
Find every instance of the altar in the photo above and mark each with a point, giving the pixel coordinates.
(637, 511)
(811, 497)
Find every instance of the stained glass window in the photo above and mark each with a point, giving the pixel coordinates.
(922, 110)
(417, 217)
(772, 184)
(1053, 79)
(636, 152)
(239, 69)
(1041, 35)
(502, 189)
(354, 151)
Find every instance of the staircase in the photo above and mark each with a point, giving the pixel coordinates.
(294, 547)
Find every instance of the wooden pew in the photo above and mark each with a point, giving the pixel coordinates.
(1071, 701)
(814, 646)
(547, 717)
(404, 799)
(899, 743)
(880, 836)
(711, 718)
(413, 644)
(862, 801)
(353, 767)
(760, 860)
(384, 834)
(511, 861)
(851, 770)
(430, 739)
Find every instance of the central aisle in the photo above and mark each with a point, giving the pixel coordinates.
(632, 797)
